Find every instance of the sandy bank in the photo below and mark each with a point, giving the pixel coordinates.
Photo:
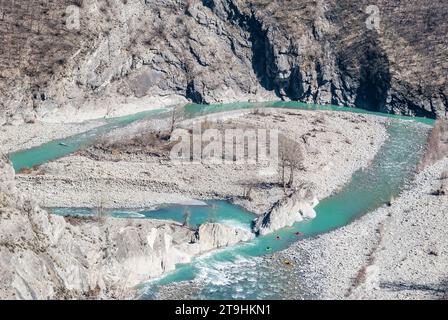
(25, 136)
(108, 108)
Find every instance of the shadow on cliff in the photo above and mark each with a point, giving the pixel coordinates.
(374, 78)
(261, 49)
(365, 70)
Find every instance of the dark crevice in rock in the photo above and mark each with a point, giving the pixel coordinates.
(334, 96)
(365, 74)
(374, 78)
(294, 90)
(262, 53)
(445, 103)
(194, 95)
(197, 58)
(209, 4)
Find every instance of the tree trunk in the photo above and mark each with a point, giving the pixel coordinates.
(249, 192)
(172, 123)
(291, 177)
(283, 177)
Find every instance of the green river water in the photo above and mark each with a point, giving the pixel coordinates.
(231, 273)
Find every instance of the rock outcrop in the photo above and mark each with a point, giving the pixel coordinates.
(124, 55)
(44, 256)
(215, 235)
(296, 207)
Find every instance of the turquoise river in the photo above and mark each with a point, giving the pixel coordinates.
(392, 167)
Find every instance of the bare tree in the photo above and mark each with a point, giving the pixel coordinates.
(249, 184)
(247, 191)
(174, 118)
(187, 215)
(213, 214)
(291, 157)
(100, 211)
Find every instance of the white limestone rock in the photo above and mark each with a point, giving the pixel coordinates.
(215, 235)
(287, 211)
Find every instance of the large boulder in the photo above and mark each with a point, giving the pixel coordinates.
(297, 206)
(215, 235)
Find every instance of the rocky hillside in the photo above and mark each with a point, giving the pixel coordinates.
(125, 54)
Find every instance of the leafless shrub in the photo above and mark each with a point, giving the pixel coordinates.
(186, 217)
(175, 117)
(77, 3)
(249, 186)
(306, 190)
(247, 190)
(150, 142)
(260, 112)
(101, 214)
(25, 171)
(444, 175)
(77, 220)
(35, 170)
(207, 124)
(441, 191)
(213, 214)
(320, 119)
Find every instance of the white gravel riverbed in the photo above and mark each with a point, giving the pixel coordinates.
(396, 252)
(338, 144)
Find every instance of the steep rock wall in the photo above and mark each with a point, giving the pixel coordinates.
(127, 55)
(293, 208)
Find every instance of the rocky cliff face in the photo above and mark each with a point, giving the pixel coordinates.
(125, 55)
(43, 256)
(296, 207)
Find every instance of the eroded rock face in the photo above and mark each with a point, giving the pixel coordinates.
(129, 54)
(7, 184)
(215, 235)
(287, 211)
(43, 256)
